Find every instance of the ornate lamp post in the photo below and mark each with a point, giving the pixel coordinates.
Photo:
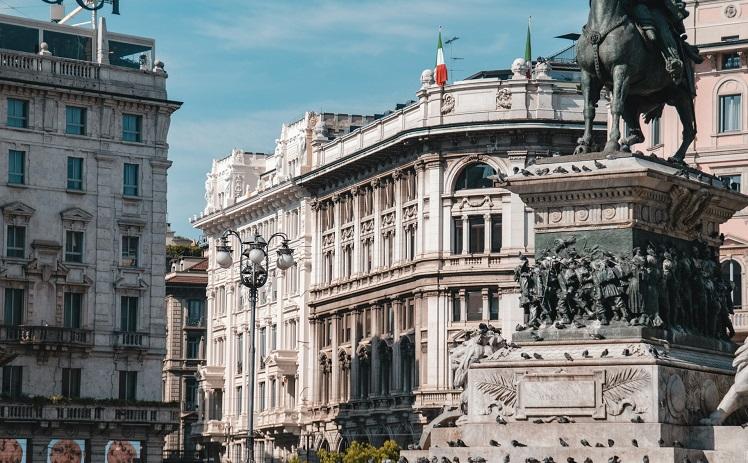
(253, 269)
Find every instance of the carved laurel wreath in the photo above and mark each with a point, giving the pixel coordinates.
(501, 389)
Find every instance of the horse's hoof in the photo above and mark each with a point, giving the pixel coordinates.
(625, 148)
(611, 148)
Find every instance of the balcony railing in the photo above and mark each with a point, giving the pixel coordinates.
(130, 340)
(166, 414)
(740, 319)
(46, 336)
(190, 322)
(430, 399)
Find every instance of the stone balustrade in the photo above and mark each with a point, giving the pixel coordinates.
(50, 336)
(427, 399)
(165, 414)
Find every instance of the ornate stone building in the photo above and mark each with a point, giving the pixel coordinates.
(720, 29)
(185, 349)
(404, 240)
(257, 193)
(83, 160)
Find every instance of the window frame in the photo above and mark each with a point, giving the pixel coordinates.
(130, 134)
(12, 383)
(723, 129)
(129, 313)
(13, 305)
(71, 181)
(15, 177)
(71, 378)
(71, 236)
(128, 385)
(463, 180)
(79, 125)
(131, 189)
(70, 300)
(129, 256)
(22, 119)
(16, 251)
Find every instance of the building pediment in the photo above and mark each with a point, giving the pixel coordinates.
(17, 209)
(734, 241)
(76, 214)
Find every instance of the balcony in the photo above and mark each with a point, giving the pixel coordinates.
(437, 399)
(212, 429)
(46, 336)
(165, 414)
(740, 323)
(183, 364)
(277, 418)
(130, 340)
(194, 323)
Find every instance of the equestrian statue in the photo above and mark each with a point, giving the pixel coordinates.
(637, 50)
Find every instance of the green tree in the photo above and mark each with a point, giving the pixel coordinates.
(326, 456)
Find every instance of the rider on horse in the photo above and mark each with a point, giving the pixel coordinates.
(662, 23)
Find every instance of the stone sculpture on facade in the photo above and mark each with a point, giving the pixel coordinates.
(736, 398)
(569, 287)
(479, 344)
(640, 57)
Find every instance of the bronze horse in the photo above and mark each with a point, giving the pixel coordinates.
(612, 53)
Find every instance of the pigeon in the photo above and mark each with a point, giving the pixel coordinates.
(654, 352)
(599, 445)
(536, 336)
(661, 442)
(564, 419)
(604, 353)
(560, 325)
(526, 356)
(678, 444)
(645, 459)
(588, 460)
(520, 328)
(685, 460)
(537, 356)
(586, 169)
(614, 459)
(563, 442)
(585, 443)
(635, 442)
(513, 345)
(568, 357)
(599, 164)
(499, 177)
(579, 325)
(500, 419)
(532, 460)
(585, 353)
(526, 173)
(515, 170)
(507, 459)
(493, 443)
(560, 170)
(516, 443)
(549, 460)
(571, 460)
(541, 172)
(455, 460)
(626, 353)
(597, 336)
(451, 443)
(575, 168)
(445, 460)
(538, 421)
(637, 419)
(611, 443)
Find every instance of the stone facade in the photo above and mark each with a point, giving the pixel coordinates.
(185, 350)
(83, 159)
(405, 242)
(718, 28)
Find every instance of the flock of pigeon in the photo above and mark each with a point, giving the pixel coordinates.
(507, 459)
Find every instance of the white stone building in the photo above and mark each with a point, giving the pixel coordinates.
(84, 117)
(403, 243)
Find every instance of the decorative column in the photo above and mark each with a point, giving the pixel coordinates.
(375, 364)
(355, 336)
(356, 260)
(463, 305)
(465, 234)
(486, 233)
(486, 302)
(377, 245)
(397, 191)
(316, 385)
(420, 169)
(337, 272)
(316, 234)
(397, 373)
(335, 389)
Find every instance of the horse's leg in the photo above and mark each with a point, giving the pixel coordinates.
(620, 93)
(684, 105)
(591, 87)
(633, 122)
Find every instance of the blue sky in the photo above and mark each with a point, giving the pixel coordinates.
(243, 67)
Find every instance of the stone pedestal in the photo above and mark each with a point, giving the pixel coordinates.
(629, 351)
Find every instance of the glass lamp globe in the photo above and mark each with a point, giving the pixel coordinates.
(223, 257)
(285, 259)
(256, 255)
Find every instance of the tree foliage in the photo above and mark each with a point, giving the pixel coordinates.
(359, 452)
(174, 251)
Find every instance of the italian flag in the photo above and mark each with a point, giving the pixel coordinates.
(440, 73)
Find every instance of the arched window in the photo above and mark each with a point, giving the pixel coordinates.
(475, 176)
(732, 271)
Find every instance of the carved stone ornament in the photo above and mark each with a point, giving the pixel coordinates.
(621, 388)
(448, 104)
(731, 11)
(503, 99)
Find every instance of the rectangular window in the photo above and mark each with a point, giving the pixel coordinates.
(129, 251)
(474, 305)
(12, 381)
(132, 125)
(18, 113)
(71, 383)
(730, 61)
(456, 235)
(128, 385)
(129, 314)
(493, 307)
(261, 396)
(13, 308)
(73, 246)
(262, 342)
(16, 167)
(273, 337)
(272, 393)
(456, 307)
(130, 180)
(477, 234)
(193, 346)
(75, 120)
(73, 309)
(190, 394)
(729, 113)
(496, 231)
(239, 353)
(732, 182)
(75, 173)
(239, 400)
(16, 241)
(194, 312)
(656, 131)
(216, 412)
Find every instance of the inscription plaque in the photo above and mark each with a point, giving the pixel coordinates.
(556, 394)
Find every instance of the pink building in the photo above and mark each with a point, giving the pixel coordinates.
(720, 29)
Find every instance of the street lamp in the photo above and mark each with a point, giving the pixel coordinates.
(253, 275)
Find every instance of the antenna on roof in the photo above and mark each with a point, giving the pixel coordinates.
(450, 41)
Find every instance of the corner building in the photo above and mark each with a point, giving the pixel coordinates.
(83, 165)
